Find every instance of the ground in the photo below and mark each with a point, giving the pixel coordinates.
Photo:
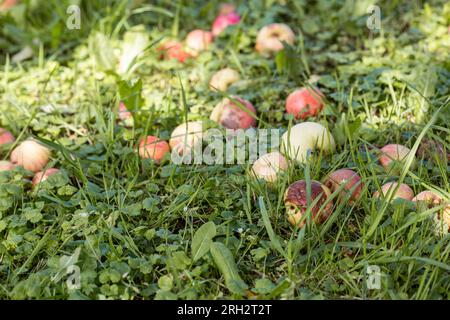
(114, 226)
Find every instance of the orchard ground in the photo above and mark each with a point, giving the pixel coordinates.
(113, 226)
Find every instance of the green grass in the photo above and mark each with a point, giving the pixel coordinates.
(139, 230)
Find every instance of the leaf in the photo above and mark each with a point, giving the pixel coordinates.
(103, 52)
(225, 263)
(134, 43)
(202, 239)
(131, 95)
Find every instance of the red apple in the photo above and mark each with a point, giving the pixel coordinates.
(173, 50)
(296, 202)
(392, 153)
(351, 181)
(304, 102)
(234, 116)
(6, 137)
(43, 175)
(403, 191)
(152, 147)
(223, 21)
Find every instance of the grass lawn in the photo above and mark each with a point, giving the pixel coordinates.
(112, 225)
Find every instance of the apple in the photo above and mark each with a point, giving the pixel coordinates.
(296, 202)
(152, 147)
(231, 115)
(304, 103)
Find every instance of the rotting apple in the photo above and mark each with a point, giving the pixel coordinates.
(223, 79)
(270, 37)
(234, 115)
(305, 102)
(297, 202)
(432, 149)
(431, 199)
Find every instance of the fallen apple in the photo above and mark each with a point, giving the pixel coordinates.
(270, 37)
(350, 180)
(297, 203)
(198, 40)
(402, 191)
(152, 147)
(186, 136)
(234, 115)
(224, 78)
(6, 137)
(269, 166)
(173, 50)
(442, 218)
(306, 137)
(304, 103)
(393, 155)
(31, 155)
(223, 21)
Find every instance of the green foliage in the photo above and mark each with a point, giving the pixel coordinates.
(141, 230)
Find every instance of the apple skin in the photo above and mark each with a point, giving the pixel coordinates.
(6, 137)
(152, 147)
(173, 50)
(296, 202)
(269, 38)
(199, 40)
(304, 103)
(268, 166)
(223, 21)
(231, 116)
(391, 154)
(43, 175)
(6, 166)
(403, 192)
(31, 155)
(351, 180)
